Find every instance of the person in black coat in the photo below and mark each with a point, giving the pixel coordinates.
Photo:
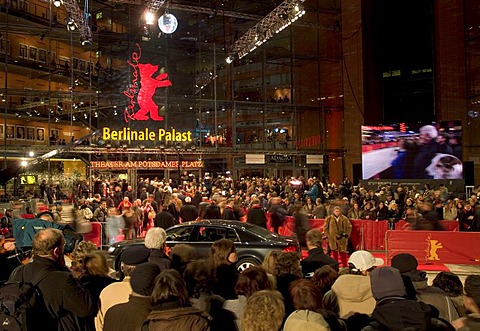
(164, 219)
(223, 257)
(95, 278)
(155, 241)
(212, 212)
(278, 213)
(316, 257)
(54, 310)
(256, 214)
(228, 212)
(188, 212)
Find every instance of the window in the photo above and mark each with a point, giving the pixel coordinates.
(182, 233)
(211, 234)
(23, 51)
(42, 55)
(32, 53)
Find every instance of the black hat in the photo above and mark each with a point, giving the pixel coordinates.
(404, 262)
(135, 255)
(142, 278)
(386, 282)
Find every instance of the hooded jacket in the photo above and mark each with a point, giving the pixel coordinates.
(433, 295)
(397, 313)
(350, 294)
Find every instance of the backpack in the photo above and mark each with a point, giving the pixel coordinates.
(16, 300)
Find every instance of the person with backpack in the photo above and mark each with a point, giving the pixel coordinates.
(60, 298)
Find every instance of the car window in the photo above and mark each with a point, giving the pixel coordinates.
(181, 233)
(262, 232)
(211, 234)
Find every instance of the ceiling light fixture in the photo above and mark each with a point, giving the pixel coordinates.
(276, 21)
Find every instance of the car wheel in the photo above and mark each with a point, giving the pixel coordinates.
(246, 263)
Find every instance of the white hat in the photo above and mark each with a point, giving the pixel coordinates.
(363, 260)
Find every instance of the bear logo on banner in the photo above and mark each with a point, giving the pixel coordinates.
(142, 89)
(432, 246)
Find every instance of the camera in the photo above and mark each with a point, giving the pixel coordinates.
(342, 235)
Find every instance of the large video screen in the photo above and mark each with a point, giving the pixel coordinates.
(412, 151)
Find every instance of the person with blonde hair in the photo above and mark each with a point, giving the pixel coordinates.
(155, 242)
(264, 311)
(269, 263)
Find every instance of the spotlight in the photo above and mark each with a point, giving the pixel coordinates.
(229, 59)
(57, 3)
(85, 42)
(71, 25)
(149, 18)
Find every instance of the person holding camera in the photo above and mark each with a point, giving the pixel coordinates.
(337, 230)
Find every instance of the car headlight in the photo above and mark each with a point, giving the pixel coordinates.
(111, 250)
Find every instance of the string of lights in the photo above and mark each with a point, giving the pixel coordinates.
(277, 20)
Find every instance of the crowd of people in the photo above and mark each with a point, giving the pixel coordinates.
(172, 289)
(128, 213)
(165, 289)
(164, 203)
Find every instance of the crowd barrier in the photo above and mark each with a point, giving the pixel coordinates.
(435, 247)
(366, 234)
(95, 236)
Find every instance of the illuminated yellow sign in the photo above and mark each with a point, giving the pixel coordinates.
(146, 135)
(145, 164)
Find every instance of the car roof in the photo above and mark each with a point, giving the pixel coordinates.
(219, 222)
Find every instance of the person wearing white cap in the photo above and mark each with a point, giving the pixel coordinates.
(352, 293)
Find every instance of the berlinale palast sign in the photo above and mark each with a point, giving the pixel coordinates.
(146, 79)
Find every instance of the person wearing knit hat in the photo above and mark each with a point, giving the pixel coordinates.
(386, 283)
(393, 311)
(407, 265)
(404, 262)
(135, 255)
(130, 315)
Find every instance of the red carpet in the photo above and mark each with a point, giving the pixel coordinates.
(426, 267)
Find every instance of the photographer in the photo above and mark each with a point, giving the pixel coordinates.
(337, 229)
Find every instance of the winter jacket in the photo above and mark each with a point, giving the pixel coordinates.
(316, 259)
(128, 316)
(334, 227)
(433, 295)
(159, 257)
(64, 298)
(350, 294)
(172, 317)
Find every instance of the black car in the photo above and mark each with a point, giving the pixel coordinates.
(252, 242)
